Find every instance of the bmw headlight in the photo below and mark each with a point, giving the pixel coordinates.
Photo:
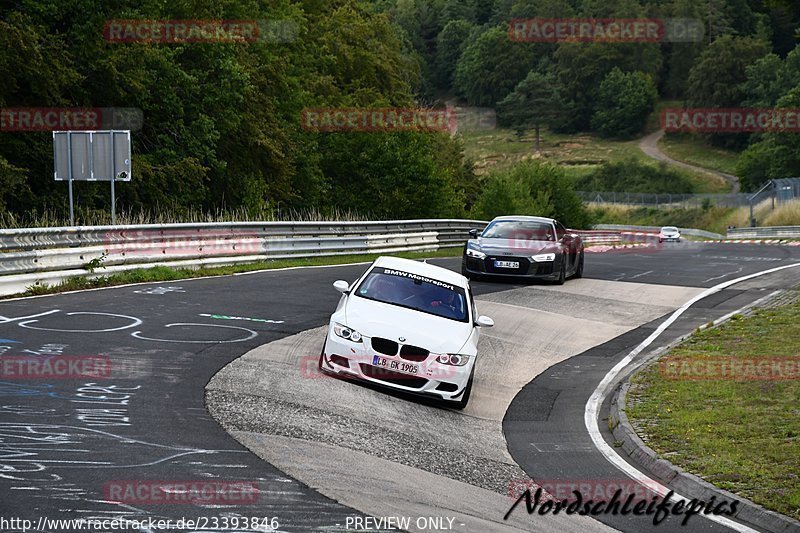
(540, 258)
(346, 333)
(472, 252)
(454, 359)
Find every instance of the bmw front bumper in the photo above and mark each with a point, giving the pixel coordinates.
(361, 360)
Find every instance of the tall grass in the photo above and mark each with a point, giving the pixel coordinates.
(95, 217)
(786, 214)
(715, 219)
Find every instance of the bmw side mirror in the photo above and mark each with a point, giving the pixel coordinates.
(484, 322)
(473, 233)
(341, 286)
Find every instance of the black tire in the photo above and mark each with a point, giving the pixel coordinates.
(579, 271)
(562, 275)
(462, 403)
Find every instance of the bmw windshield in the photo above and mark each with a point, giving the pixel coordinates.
(416, 292)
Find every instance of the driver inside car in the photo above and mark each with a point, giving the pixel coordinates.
(436, 300)
(446, 301)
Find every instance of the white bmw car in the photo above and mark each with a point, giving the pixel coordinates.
(406, 325)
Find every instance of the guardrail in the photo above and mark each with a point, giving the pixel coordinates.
(765, 232)
(655, 229)
(49, 255)
(36, 256)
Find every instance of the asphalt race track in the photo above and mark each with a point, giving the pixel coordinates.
(243, 348)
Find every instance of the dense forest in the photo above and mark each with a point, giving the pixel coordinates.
(221, 120)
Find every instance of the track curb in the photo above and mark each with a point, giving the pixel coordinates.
(629, 444)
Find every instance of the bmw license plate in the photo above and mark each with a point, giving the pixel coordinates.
(396, 366)
(506, 264)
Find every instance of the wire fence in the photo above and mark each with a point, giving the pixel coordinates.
(776, 191)
(665, 199)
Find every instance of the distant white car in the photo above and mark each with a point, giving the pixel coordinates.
(669, 233)
(406, 325)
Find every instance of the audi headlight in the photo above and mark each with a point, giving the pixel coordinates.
(544, 257)
(471, 252)
(346, 333)
(454, 359)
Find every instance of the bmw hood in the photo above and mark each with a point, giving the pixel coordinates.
(515, 247)
(377, 319)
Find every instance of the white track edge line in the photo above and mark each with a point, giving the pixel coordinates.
(597, 397)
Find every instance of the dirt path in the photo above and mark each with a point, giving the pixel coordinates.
(649, 145)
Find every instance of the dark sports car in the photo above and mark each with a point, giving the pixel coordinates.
(525, 247)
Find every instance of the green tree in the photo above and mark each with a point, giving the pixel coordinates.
(389, 175)
(532, 104)
(716, 79)
(456, 10)
(624, 101)
(631, 175)
(776, 156)
(450, 44)
(680, 57)
(580, 68)
(222, 120)
(491, 66)
(717, 16)
(770, 78)
(532, 188)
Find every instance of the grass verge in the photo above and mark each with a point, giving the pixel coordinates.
(579, 155)
(695, 151)
(163, 273)
(741, 435)
(714, 219)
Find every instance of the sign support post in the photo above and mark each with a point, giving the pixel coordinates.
(113, 179)
(71, 209)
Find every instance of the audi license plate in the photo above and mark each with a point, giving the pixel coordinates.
(397, 366)
(506, 264)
